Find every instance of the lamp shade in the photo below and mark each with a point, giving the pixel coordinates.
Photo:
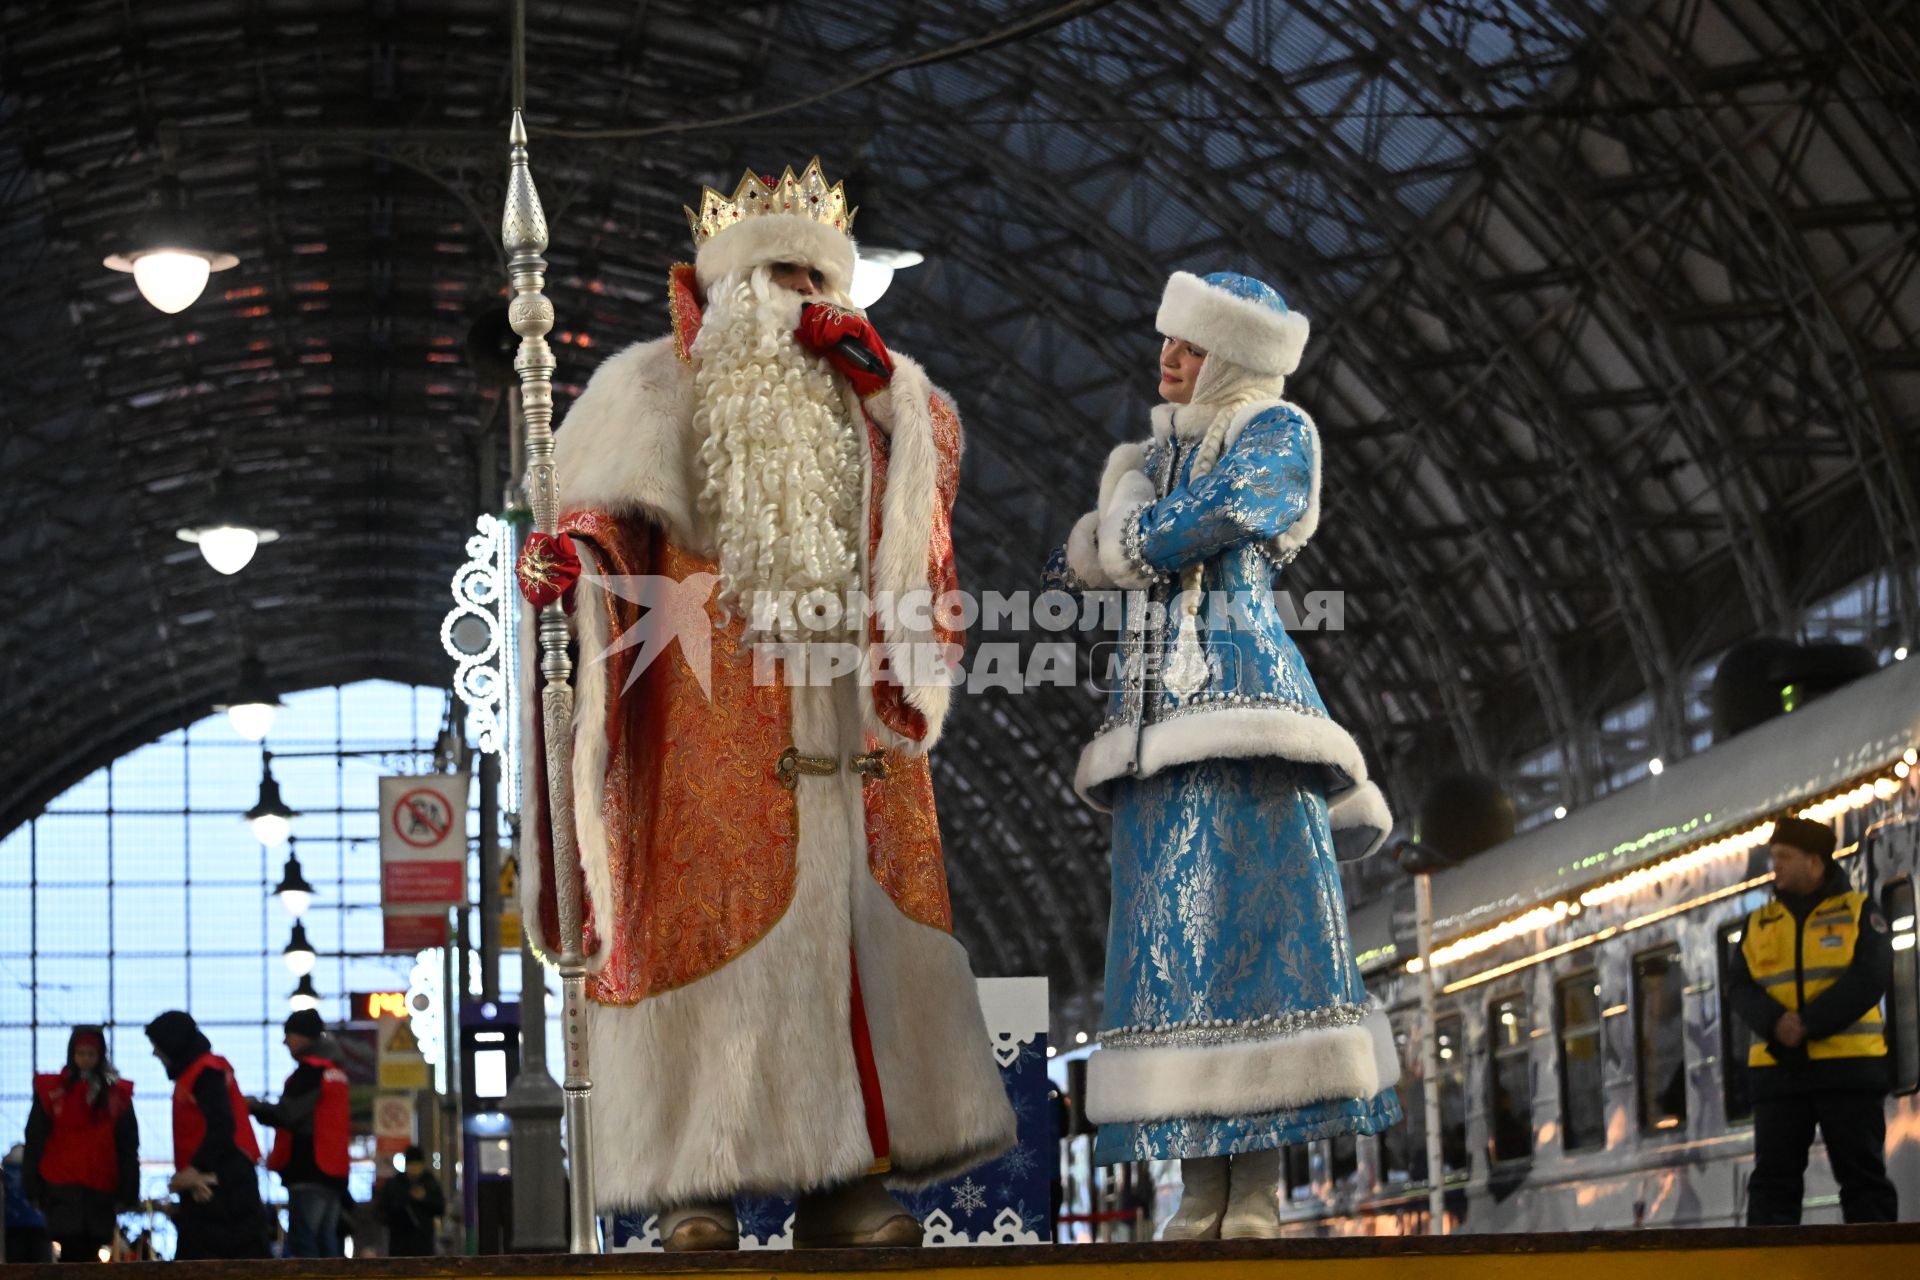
(873, 272)
(169, 254)
(226, 537)
(298, 953)
(270, 818)
(254, 703)
(295, 894)
(304, 995)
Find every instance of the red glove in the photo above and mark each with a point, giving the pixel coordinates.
(548, 568)
(848, 343)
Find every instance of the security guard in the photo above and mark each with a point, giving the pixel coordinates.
(1808, 976)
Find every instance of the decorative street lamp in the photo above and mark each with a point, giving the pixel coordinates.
(270, 818)
(298, 953)
(295, 894)
(254, 704)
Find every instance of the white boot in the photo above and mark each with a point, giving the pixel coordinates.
(700, 1227)
(1253, 1197)
(1203, 1197)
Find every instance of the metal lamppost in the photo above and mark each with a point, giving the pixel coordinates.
(523, 233)
(1421, 861)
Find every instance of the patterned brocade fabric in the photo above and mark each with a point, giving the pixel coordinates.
(903, 840)
(701, 835)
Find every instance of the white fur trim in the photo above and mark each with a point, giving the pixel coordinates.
(744, 1081)
(777, 237)
(590, 626)
(626, 445)
(1238, 331)
(1246, 1078)
(1360, 820)
(1120, 507)
(899, 563)
(1124, 458)
(1230, 733)
(1083, 553)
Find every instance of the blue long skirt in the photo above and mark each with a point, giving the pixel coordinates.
(1227, 905)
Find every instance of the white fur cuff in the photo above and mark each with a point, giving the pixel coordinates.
(1083, 552)
(1117, 539)
(1359, 821)
(1238, 331)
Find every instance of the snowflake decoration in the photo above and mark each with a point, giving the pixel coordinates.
(969, 1197)
(1018, 1163)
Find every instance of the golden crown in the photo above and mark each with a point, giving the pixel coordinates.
(808, 195)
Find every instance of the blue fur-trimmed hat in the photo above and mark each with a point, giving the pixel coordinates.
(1242, 320)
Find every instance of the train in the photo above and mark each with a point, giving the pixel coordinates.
(1591, 1074)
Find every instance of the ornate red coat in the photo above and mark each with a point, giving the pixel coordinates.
(727, 907)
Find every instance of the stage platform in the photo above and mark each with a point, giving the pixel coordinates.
(1777, 1253)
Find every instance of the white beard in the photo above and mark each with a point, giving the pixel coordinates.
(779, 455)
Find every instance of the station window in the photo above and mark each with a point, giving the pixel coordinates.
(1451, 1032)
(1735, 1035)
(1903, 998)
(1510, 1078)
(1583, 1111)
(1659, 1039)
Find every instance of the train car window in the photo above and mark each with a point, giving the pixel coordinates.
(1510, 1078)
(1297, 1170)
(1451, 1032)
(1403, 1144)
(1903, 998)
(1343, 1162)
(1735, 1035)
(1583, 1111)
(1659, 1039)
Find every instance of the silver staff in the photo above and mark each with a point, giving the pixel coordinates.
(523, 230)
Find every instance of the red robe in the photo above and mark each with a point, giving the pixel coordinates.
(716, 892)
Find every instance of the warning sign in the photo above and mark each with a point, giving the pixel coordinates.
(510, 904)
(423, 840)
(401, 1063)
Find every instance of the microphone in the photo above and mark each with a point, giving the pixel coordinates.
(855, 352)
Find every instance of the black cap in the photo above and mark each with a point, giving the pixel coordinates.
(305, 1022)
(1805, 835)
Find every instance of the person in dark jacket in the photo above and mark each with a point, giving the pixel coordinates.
(407, 1204)
(214, 1150)
(26, 1239)
(1808, 976)
(311, 1123)
(82, 1163)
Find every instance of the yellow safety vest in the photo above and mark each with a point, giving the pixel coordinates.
(1795, 964)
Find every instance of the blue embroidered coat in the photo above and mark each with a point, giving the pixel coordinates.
(1235, 1017)
(1244, 521)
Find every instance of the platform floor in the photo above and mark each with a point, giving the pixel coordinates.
(1778, 1253)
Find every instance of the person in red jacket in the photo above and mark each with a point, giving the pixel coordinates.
(214, 1150)
(311, 1124)
(82, 1163)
